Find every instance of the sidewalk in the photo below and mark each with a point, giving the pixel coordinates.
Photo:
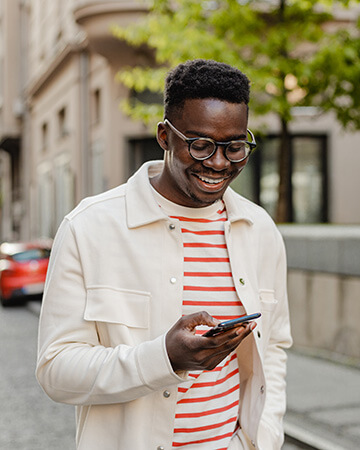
(323, 400)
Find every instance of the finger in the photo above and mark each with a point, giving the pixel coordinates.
(242, 330)
(248, 329)
(191, 321)
(222, 346)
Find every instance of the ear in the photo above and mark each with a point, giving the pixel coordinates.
(161, 136)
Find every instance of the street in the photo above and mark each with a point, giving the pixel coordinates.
(29, 419)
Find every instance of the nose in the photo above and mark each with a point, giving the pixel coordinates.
(218, 160)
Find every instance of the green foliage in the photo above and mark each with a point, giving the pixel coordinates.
(141, 79)
(333, 78)
(284, 47)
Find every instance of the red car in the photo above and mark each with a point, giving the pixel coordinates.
(23, 267)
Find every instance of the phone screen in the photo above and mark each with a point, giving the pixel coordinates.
(229, 324)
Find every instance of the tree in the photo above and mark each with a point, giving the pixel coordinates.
(290, 49)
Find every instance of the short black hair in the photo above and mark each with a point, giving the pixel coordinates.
(202, 78)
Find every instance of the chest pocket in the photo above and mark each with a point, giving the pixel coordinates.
(268, 304)
(121, 315)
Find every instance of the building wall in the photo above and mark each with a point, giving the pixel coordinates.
(10, 77)
(5, 194)
(68, 81)
(65, 70)
(324, 287)
(11, 110)
(325, 311)
(51, 28)
(55, 142)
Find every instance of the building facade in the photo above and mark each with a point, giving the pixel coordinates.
(63, 135)
(11, 40)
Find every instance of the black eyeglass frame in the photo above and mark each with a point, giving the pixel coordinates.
(189, 141)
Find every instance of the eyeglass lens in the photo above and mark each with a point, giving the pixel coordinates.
(204, 148)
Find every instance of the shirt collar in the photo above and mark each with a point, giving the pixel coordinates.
(142, 208)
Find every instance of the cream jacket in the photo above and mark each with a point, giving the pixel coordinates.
(108, 303)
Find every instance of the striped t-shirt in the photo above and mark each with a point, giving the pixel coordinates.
(207, 405)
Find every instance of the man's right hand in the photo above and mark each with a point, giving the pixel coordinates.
(188, 351)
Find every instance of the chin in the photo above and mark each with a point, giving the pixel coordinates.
(206, 200)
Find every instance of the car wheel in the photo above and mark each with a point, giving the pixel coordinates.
(12, 301)
(5, 302)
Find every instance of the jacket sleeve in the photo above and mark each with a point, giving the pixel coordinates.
(270, 434)
(72, 366)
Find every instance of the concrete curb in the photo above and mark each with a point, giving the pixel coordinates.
(309, 438)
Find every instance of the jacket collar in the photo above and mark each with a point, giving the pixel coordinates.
(142, 208)
(238, 207)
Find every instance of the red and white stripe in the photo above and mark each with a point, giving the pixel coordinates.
(207, 407)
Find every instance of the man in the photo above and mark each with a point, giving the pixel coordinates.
(138, 273)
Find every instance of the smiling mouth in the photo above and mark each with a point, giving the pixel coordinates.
(211, 180)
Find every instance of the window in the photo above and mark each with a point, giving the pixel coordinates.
(97, 167)
(29, 255)
(46, 202)
(142, 150)
(62, 119)
(308, 180)
(57, 26)
(64, 187)
(307, 174)
(269, 176)
(58, 41)
(44, 137)
(96, 106)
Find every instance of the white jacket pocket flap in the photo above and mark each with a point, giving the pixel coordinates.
(121, 306)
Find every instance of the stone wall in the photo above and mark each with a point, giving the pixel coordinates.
(324, 287)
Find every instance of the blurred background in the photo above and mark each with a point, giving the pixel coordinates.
(80, 94)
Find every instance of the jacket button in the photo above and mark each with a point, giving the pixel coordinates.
(253, 443)
(259, 334)
(160, 448)
(166, 394)
(262, 389)
(172, 226)
(172, 280)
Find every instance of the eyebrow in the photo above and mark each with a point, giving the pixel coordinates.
(240, 137)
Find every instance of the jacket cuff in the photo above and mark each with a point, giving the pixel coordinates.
(154, 365)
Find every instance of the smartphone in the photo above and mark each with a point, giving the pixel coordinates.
(229, 324)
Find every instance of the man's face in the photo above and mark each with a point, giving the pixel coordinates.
(192, 183)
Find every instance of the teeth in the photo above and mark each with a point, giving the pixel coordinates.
(210, 180)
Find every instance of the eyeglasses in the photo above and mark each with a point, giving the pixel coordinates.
(203, 148)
